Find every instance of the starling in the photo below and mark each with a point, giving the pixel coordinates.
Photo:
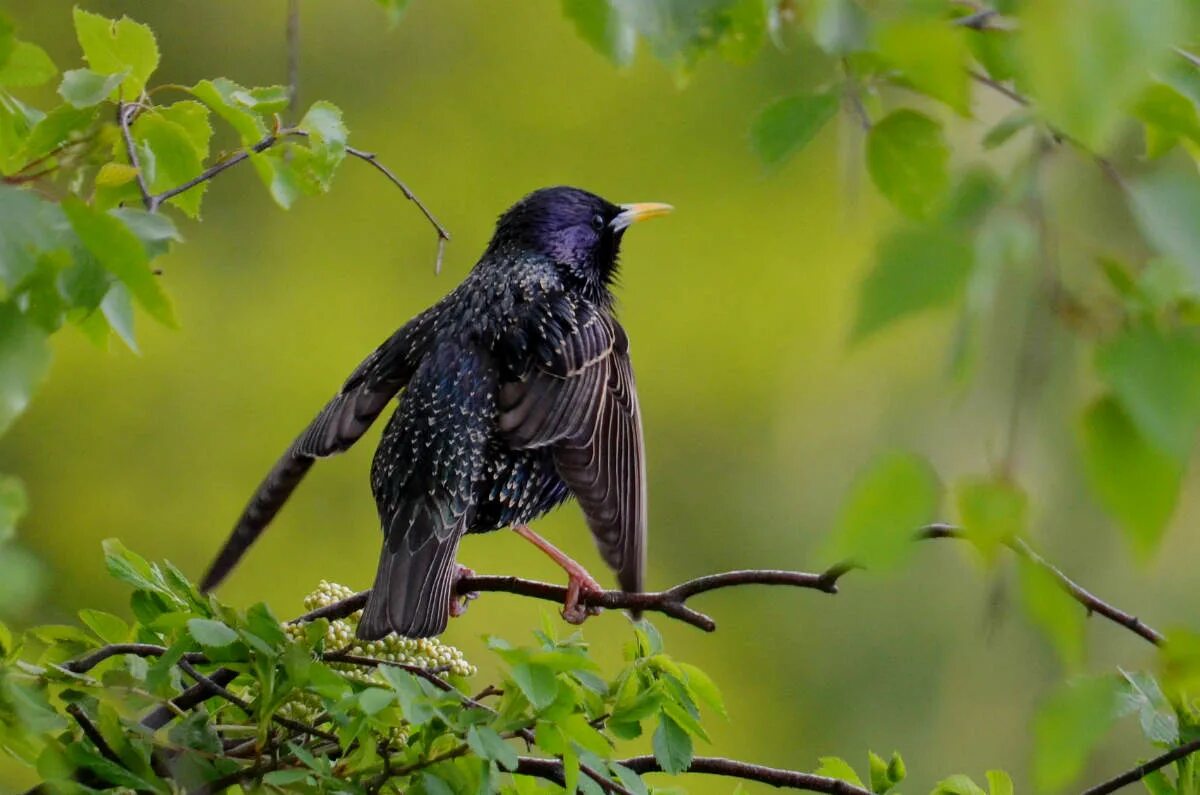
(518, 393)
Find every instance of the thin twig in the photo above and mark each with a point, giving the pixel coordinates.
(92, 733)
(552, 769)
(124, 117)
(1191, 58)
(244, 705)
(1090, 602)
(293, 54)
(89, 661)
(996, 85)
(1143, 770)
(217, 168)
(193, 696)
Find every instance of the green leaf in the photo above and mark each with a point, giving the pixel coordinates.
(414, 704)
(118, 249)
(228, 100)
(703, 689)
(327, 141)
(59, 126)
(210, 633)
(118, 46)
(489, 745)
(178, 136)
(537, 682)
(1166, 204)
(897, 494)
(13, 505)
(84, 88)
(280, 778)
(672, 746)
(907, 159)
(1053, 611)
(957, 785)
(1141, 695)
(155, 230)
(1137, 483)
(932, 56)
(375, 699)
(787, 125)
(1156, 377)
(1068, 726)
(602, 26)
(24, 360)
(880, 783)
(836, 767)
(630, 780)
(993, 511)
(109, 628)
(1169, 116)
(27, 65)
(1086, 59)
(999, 783)
(840, 26)
(1006, 128)
(915, 270)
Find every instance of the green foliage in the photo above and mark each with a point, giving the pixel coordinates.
(993, 512)
(1068, 726)
(907, 157)
(788, 124)
(385, 716)
(897, 494)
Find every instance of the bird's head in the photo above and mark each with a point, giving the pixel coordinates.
(579, 231)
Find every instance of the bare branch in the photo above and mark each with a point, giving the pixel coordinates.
(89, 661)
(1143, 770)
(1090, 602)
(671, 602)
(125, 114)
(551, 769)
(92, 733)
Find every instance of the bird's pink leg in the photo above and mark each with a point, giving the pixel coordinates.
(460, 602)
(579, 581)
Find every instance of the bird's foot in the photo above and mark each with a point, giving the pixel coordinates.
(580, 584)
(460, 602)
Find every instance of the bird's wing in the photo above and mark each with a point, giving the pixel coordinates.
(339, 425)
(581, 401)
(425, 477)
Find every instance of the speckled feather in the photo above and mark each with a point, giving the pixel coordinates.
(517, 393)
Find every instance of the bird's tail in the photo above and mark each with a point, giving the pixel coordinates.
(411, 595)
(270, 496)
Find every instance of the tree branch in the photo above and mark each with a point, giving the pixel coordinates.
(124, 116)
(551, 769)
(1090, 602)
(92, 733)
(87, 662)
(1143, 770)
(671, 602)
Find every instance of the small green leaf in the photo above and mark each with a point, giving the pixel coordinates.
(897, 494)
(280, 778)
(603, 27)
(836, 767)
(1169, 116)
(999, 783)
(24, 360)
(787, 125)
(1157, 783)
(489, 745)
(1156, 378)
(1140, 694)
(703, 689)
(118, 249)
(13, 505)
(1135, 481)
(993, 511)
(1068, 725)
(957, 785)
(1006, 128)
(109, 628)
(210, 633)
(537, 682)
(840, 26)
(28, 65)
(1166, 204)
(112, 47)
(1053, 611)
(915, 270)
(84, 88)
(880, 783)
(225, 98)
(932, 56)
(672, 746)
(907, 158)
(374, 699)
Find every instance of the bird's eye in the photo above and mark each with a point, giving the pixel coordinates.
(598, 222)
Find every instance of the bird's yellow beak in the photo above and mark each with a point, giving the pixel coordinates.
(632, 213)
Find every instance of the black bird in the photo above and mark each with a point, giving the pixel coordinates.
(518, 393)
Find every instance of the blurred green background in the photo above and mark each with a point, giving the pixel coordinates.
(757, 411)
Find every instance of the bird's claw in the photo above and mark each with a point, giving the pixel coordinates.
(573, 612)
(460, 602)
